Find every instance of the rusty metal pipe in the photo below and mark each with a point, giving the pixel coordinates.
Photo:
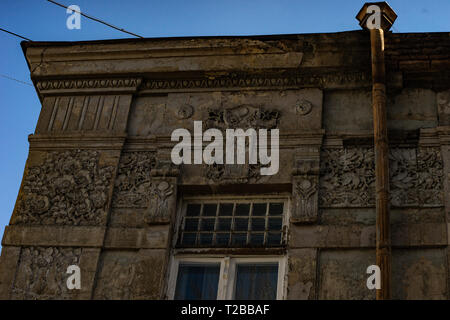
(383, 239)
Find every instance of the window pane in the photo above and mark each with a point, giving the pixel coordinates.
(275, 224)
(191, 225)
(193, 210)
(259, 209)
(241, 224)
(256, 281)
(242, 209)
(224, 224)
(276, 209)
(209, 210)
(207, 224)
(256, 239)
(222, 239)
(206, 238)
(274, 238)
(226, 209)
(197, 282)
(189, 238)
(239, 238)
(258, 224)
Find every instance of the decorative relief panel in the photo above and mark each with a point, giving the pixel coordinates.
(305, 190)
(305, 196)
(429, 182)
(130, 275)
(143, 181)
(162, 200)
(232, 174)
(69, 188)
(42, 273)
(133, 182)
(402, 176)
(347, 177)
(244, 116)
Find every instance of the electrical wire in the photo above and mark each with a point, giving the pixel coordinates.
(14, 34)
(14, 79)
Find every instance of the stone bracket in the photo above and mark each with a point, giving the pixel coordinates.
(305, 190)
(163, 192)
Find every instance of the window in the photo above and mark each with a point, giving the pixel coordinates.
(228, 223)
(229, 248)
(249, 278)
(197, 281)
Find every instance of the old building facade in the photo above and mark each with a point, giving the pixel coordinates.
(100, 190)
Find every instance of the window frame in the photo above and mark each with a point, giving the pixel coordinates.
(184, 201)
(227, 276)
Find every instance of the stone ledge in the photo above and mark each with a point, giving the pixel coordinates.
(73, 236)
(76, 141)
(168, 64)
(154, 237)
(357, 236)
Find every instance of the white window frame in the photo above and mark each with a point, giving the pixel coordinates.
(227, 276)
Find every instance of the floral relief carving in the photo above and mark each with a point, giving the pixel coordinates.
(347, 177)
(69, 188)
(430, 175)
(145, 182)
(232, 174)
(133, 182)
(244, 116)
(402, 175)
(42, 273)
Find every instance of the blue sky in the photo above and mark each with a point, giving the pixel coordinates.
(41, 20)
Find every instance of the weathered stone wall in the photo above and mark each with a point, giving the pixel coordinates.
(99, 189)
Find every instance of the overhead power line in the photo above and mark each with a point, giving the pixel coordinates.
(97, 20)
(14, 34)
(14, 79)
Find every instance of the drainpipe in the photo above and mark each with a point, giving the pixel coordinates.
(378, 17)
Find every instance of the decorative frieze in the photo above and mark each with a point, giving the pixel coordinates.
(144, 181)
(42, 273)
(243, 117)
(276, 80)
(68, 188)
(133, 181)
(88, 85)
(347, 177)
(232, 174)
(429, 183)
